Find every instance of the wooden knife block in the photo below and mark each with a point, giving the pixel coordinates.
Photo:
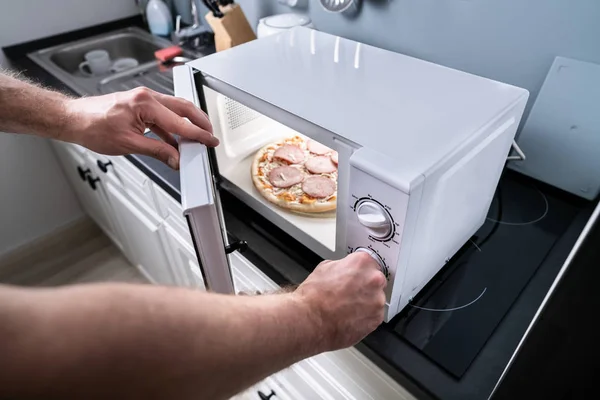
(232, 29)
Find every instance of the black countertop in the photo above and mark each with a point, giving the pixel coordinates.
(398, 357)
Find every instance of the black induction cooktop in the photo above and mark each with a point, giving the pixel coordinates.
(457, 335)
(454, 316)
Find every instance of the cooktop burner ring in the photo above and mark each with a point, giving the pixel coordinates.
(453, 308)
(541, 217)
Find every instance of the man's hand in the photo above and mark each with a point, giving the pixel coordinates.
(346, 298)
(114, 124)
(125, 341)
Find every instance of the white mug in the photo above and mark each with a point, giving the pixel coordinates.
(97, 61)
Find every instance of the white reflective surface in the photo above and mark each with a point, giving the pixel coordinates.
(412, 110)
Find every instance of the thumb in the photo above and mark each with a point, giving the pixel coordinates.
(156, 149)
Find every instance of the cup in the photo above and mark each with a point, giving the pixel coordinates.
(97, 62)
(122, 64)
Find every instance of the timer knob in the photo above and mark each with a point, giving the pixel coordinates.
(375, 257)
(375, 218)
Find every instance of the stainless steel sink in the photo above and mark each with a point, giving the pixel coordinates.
(63, 62)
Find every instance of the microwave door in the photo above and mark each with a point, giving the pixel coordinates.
(200, 198)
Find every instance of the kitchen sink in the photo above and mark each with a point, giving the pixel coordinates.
(125, 44)
(63, 61)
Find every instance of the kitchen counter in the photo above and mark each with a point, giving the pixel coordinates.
(396, 356)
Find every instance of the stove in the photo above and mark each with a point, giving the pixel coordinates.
(453, 317)
(457, 335)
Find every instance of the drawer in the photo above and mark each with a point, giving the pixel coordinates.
(249, 277)
(296, 383)
(125, 175)
(286, 385)
(122, 165)
(179, 226)
(71, 150)
(168, 206)
(74, 147)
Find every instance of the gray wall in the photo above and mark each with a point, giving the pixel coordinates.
(35, 198)
(513, 41)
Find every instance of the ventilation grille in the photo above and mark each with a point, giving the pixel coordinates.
(238, 114)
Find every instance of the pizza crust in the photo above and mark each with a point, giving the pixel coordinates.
(315, 207)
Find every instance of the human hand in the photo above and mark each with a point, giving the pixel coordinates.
(114, 124)
(346, 297)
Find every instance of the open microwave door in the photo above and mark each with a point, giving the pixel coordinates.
(200, 198)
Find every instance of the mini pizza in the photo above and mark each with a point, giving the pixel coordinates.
(297, 174)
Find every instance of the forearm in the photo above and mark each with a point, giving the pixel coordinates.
(147, 342)
(26, 108)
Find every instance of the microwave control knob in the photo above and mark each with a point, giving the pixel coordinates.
(375, 256)
(375, 218)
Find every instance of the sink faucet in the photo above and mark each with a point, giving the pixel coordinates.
(195, 18)
(182, 34)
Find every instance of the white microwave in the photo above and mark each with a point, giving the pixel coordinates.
(420, 150)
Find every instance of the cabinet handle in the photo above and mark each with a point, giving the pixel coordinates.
(103, 165)
(83, 173)
(264, 396)
(92, 182)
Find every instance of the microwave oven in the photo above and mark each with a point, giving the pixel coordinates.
(420, 147)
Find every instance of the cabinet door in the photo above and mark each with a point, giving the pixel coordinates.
(142, 236)
(91, 196)
(184, 263)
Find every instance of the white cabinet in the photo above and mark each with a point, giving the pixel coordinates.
(119, 198)
(88, 188)
(142, 234)
(184, 262)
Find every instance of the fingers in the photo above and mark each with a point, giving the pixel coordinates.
(157, 114)
(380, 280)
(164, 135)
(156, 149)
(185, 109)
(365, 260)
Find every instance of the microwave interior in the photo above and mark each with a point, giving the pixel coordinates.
(242, 132)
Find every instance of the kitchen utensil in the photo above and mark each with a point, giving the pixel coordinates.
(97, 62)
(122, 64)
(213, 6)
(180, 60)
(561, 138)
(168, 53)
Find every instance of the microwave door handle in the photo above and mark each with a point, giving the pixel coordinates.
(200, 198)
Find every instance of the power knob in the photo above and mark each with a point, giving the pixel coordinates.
(375, 257)
(376, 219)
